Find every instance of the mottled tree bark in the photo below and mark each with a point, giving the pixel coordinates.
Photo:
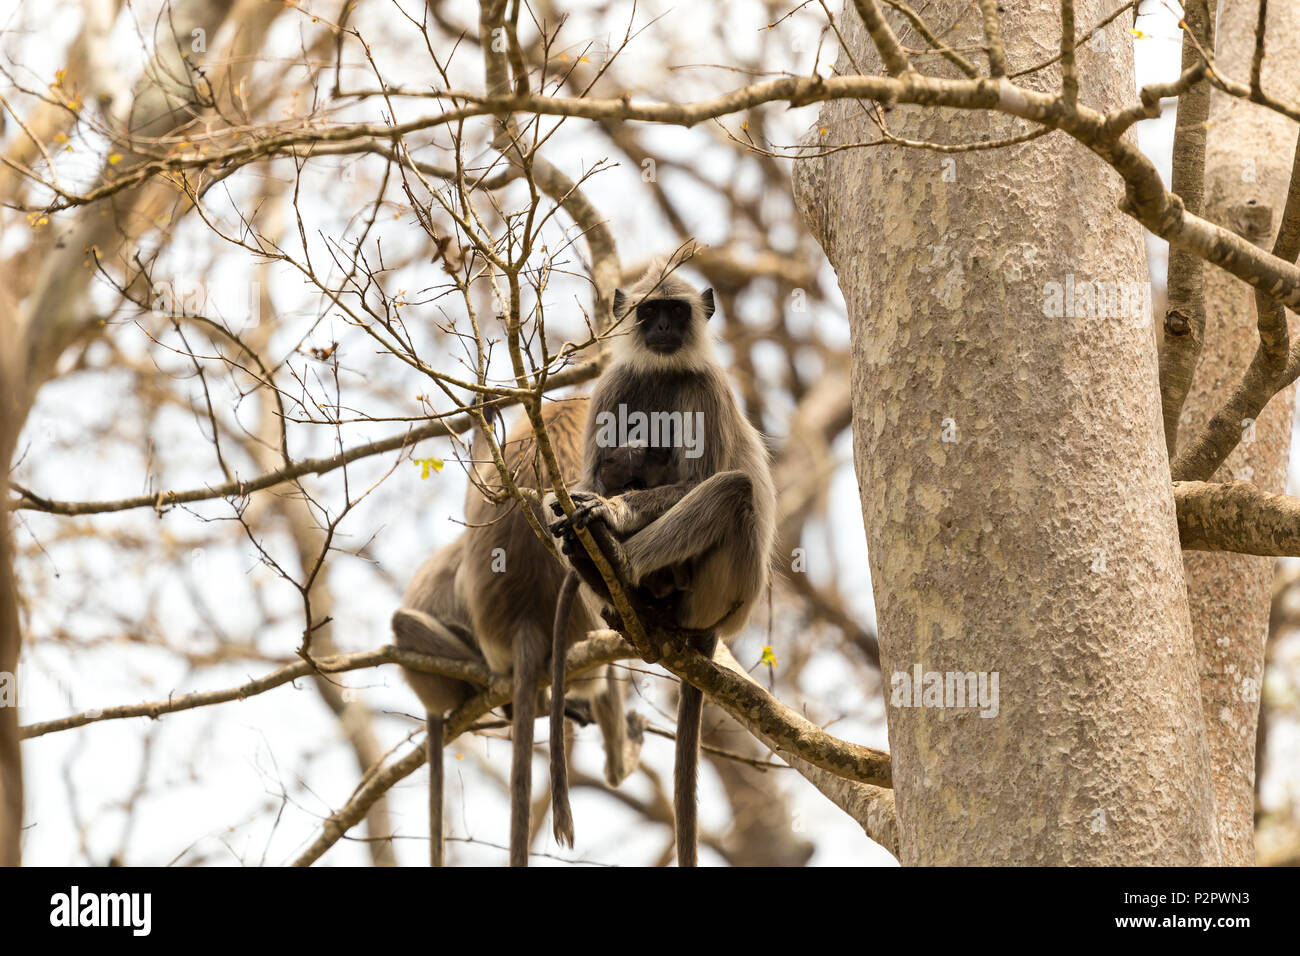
(1248, 167)
(1015, 487)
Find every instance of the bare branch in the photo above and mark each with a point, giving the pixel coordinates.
(1184, 322)
(1274, 366)
(1236, 516)
(1069, 73)
(993, 38)
(882, 35)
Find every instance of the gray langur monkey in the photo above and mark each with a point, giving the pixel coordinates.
(458, 594)
(510, 582)
(434, 619)
(714, 524)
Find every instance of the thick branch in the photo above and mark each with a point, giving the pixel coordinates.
(784, 728)
(993, 38)
(1069, 72)
(891, 51)
(1236, 516)
(1185, 314)
(1274, 366)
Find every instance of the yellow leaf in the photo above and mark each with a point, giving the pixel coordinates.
(427, 463)
(61, 138)
(1139, 34)
(768, 658)
(823, 130)
(114, 158)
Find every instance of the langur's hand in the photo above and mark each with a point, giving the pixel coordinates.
(587, 508)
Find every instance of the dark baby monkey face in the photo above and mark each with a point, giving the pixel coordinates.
(631, 467)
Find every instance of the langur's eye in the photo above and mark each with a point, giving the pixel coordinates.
(673, 310)
(677, 310)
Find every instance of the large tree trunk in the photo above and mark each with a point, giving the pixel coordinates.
(1014, 481)
(1248, 167)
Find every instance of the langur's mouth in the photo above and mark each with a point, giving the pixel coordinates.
(662, 347)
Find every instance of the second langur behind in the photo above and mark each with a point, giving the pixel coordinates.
(510, 584)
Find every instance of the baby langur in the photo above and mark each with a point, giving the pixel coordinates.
(714, 524)
(434, 619)
(628, 468)
(510, 583)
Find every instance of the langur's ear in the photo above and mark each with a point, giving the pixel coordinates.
(620, 301)
(706, 302)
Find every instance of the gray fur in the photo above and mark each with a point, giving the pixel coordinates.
(456, 605)
(626, 468)
(717, 519)
(433, 620)
(726, 522)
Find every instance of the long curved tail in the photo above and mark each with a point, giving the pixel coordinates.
(528, 665)
(690, 718)
(433, 752)
(561, 812)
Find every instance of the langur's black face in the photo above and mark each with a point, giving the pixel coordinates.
(663, 324)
